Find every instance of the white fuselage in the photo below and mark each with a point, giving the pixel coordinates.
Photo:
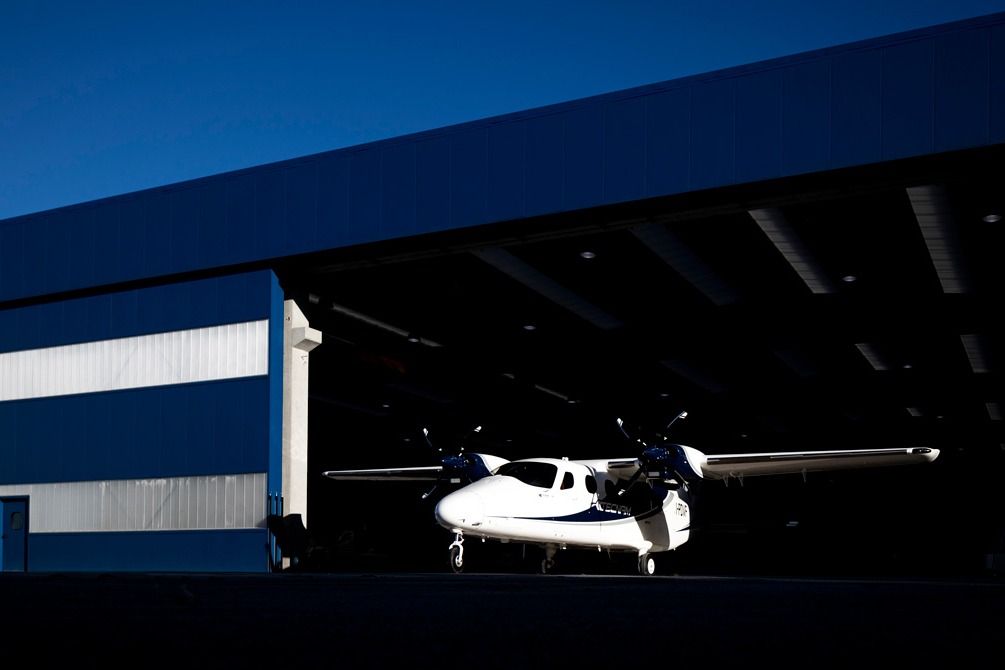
(570, 508)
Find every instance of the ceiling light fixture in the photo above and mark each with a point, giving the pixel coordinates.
(529, 327)
(377, 323)
(551, 392)
(991, 218)
(588, 255)
(849, 279)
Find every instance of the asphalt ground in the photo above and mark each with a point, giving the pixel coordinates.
(496, 621)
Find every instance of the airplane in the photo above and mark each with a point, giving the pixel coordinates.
(640, 505)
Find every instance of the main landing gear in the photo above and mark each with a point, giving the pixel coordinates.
(548, 564)
(647, 566)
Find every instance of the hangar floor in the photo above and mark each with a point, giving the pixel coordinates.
(851, 309)
(491, 621)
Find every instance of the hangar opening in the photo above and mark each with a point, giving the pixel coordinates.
(847, 310)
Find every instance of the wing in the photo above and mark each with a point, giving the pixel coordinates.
(424, 474)
(722, 466)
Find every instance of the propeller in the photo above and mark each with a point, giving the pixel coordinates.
(452, 466)
(668, 460)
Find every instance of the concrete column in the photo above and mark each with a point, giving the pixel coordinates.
(299, 339)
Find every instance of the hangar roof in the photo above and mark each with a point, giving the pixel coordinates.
(912, 94)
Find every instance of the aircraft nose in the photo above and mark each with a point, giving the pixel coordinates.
(461, 510)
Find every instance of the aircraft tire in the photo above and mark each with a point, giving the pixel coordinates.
(647, 566)
(456, 560)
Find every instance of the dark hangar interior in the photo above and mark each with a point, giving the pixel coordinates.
(850, 309)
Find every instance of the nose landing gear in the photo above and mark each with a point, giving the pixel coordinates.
(457, 553)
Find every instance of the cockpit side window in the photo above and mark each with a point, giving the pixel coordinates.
(541, 475)
(591, 484)
(567, 481)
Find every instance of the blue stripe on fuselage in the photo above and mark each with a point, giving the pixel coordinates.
(594, 515)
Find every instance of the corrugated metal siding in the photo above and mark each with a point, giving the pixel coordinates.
(938, 89)
(182, 503)
(187, 427)
(180, 357)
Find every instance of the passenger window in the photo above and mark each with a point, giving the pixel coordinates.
(567, 481)
(591, 484)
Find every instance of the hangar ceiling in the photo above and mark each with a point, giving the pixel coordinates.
(848, 309)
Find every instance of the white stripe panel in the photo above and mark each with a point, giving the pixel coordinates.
(179, 503)
(179, 357)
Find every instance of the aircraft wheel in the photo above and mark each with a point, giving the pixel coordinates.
(647, 565)
(456, 560)
(547, 565)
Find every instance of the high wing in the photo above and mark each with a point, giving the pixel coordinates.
(423, 474)
(723, 466)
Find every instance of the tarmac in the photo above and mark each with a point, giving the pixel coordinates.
(498, 621)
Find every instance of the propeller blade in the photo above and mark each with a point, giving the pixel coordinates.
(621, 426)
(425, 436)
(631, 480)
(476, 429)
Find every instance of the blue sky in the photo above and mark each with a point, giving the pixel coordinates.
(101, 98)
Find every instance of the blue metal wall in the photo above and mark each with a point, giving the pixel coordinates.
(225, 427)
(161, 551)
(168, 431)
(179, 306)
(927, 91)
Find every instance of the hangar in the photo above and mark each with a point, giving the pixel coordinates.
(801, 251)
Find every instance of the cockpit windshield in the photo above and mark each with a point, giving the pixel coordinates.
(541, 475)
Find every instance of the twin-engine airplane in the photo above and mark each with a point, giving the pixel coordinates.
(640, 505)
